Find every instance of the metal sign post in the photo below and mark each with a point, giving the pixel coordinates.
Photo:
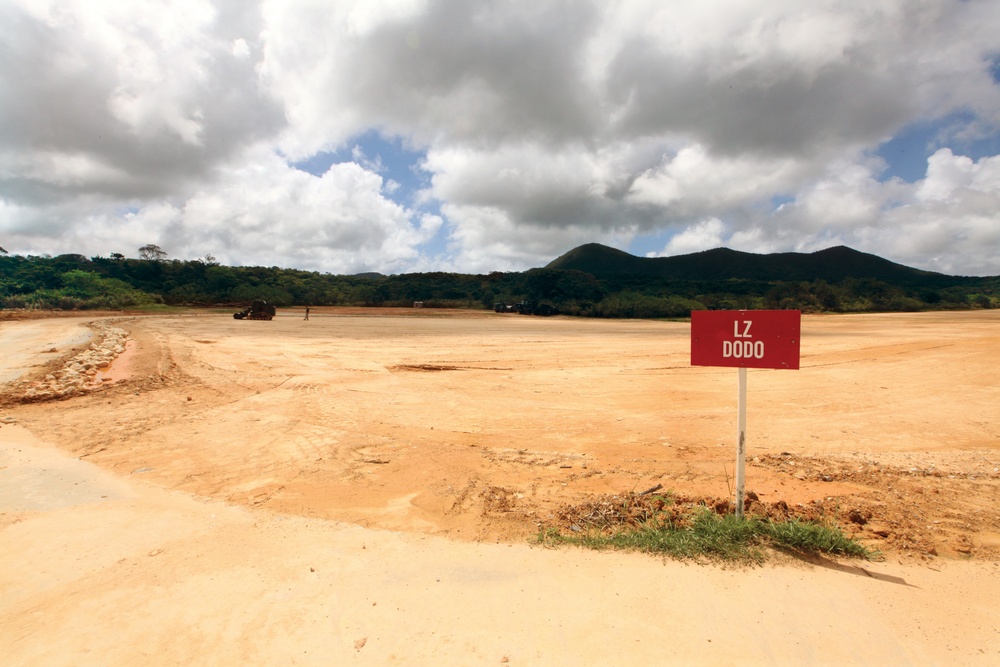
(745, 339)
(741, 440)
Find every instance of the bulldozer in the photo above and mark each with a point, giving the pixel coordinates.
(257, 310)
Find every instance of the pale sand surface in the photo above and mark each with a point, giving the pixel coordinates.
(26, 344)
(267, 493)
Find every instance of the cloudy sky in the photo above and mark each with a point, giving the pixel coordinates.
(414, 135)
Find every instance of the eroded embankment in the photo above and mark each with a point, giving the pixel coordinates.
(83, 372)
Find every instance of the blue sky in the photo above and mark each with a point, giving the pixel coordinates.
(423, 135)
(907, 151)
(388, 157)
(400, 167)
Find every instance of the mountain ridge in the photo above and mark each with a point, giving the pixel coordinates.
(831, 264)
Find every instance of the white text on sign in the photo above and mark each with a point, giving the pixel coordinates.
(742, 349)
(745, 338)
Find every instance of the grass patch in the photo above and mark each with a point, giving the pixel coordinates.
(812, 537)
(701, 533)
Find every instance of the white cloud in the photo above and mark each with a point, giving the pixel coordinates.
(847, 197)
(487, 239)
(952, 217)
(693, 182)
(947, 222)
(949, 174)
(340, 222)
(240, 48)
(703, 235)
(545, 125)
(261, 213)
(137, 99)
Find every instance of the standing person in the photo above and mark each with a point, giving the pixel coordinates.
(307, 313)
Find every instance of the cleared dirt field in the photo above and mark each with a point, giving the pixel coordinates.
(482, 428)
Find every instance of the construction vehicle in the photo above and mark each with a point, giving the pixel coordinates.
(257, 310)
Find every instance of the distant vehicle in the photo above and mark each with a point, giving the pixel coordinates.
(526, 308)
(257, 310)
(543, 309)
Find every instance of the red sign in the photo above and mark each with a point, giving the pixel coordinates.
(745, 338)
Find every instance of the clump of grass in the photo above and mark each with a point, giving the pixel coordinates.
(813, 537)
(709, 535)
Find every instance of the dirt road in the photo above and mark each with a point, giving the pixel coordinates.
(234, 468)
(33, 343)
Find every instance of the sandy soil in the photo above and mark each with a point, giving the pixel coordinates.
(362, 486)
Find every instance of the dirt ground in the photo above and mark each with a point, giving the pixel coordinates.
(445, 440)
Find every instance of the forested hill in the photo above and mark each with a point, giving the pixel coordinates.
(832, 265)
(590, 281)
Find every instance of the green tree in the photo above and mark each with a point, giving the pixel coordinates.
(153, 252)
(86, 289)
(562, 285)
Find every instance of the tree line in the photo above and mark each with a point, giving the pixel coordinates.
(76, 282)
